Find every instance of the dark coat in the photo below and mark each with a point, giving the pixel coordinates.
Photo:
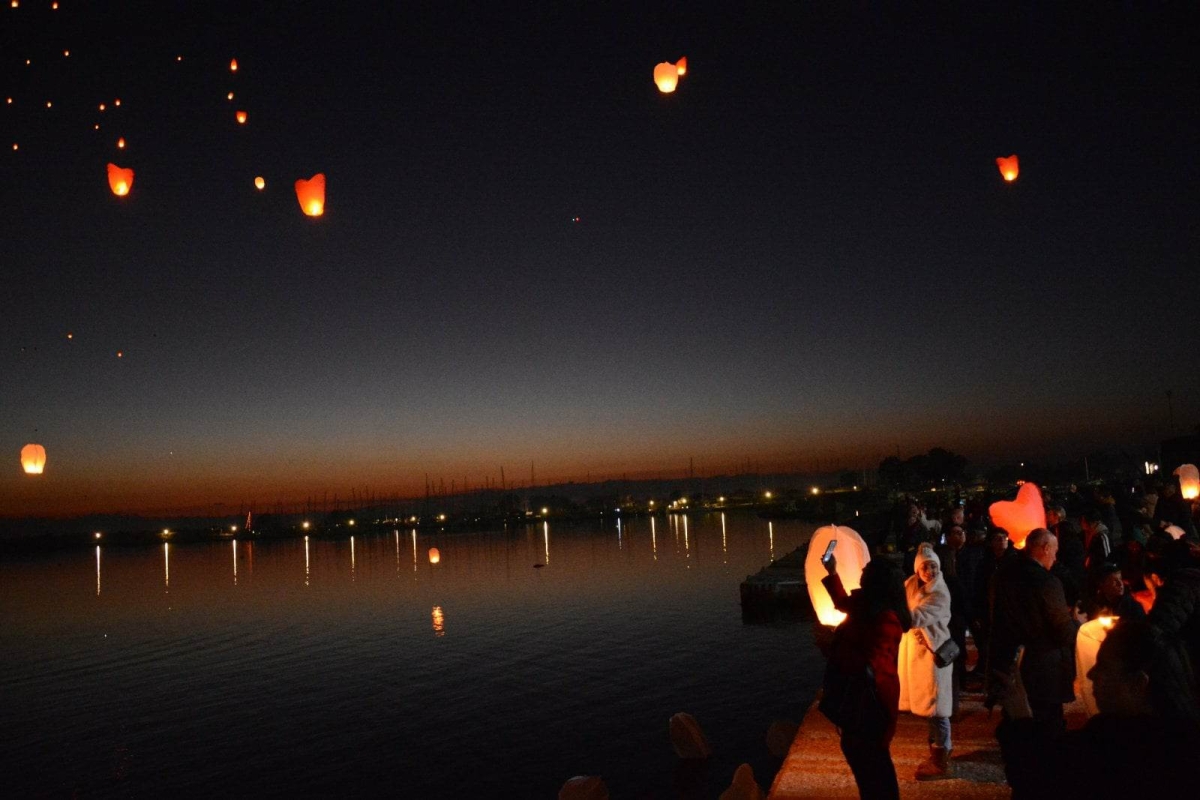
(1110, 757)
(1176, 609)
(864, 639)
(1174, 510)
(1031, 610)
(1070, 567)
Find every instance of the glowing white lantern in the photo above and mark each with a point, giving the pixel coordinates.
(851, 554)
(1189, 481)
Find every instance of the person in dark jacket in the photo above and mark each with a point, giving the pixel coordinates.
(1069, 566)
(876, 619)
(1031, 611)
(1110, 598)
(1141, 744)
(1176, 608)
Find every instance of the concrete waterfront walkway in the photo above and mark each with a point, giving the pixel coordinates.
(815, 767)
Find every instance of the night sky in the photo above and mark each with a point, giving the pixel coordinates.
(804, 255)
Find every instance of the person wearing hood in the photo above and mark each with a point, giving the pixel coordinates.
(926, 689)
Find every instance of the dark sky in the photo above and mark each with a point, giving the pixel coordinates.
(806, 254)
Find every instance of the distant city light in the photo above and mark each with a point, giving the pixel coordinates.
(304, 524)
(98, 534)
(545, 511)
(815, 490)
(720, 499)
(233, 528)
(351, 522)
(767, 495)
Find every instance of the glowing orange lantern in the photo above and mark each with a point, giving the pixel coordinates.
(681, 66)
(259, 183)
(311, 194)
(241, 117)
(1087, 645)
(1020, 516)
(121, 143)
(229, 96)
(119, 180)
(1189, 481)
(233, 65)
(1008, 168)
(434, 555)
(666, 77)
(33, 459)
(851, 554)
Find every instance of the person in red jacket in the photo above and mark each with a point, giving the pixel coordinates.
(877, 617)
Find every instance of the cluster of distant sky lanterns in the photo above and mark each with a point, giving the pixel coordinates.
(310, 192)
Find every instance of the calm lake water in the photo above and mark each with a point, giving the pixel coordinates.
(358, 668)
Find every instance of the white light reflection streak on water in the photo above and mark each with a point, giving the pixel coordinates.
(97, 570)
(306, 561)
(546, 540)
(167, 565)
(687, 548)
(620, 546)
(351, 558)
(771, 535)
(235, 562)
(414, 553)
(653, 539)
(397, 553)
(439, 621)
(724, 545)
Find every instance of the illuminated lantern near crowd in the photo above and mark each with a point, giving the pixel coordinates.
(119, 180)
(1087, 645)
(1020, 516)
(33, 459)
(311, 194)
(434, 555)
(1009, 168)
(1189, 481)
(851, 555)
(666, 77)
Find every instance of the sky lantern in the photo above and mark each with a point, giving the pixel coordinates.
(1189, 481)
(33, 459)
(1008, 168)
(311, 194)
(229, 96)
(681, 66)
(434, 555)
(1020, 516)
(851, 555)
(121, 143)
(259, 183)
(120, 180)
(233, 65)
(1087, 645)
(241, 117)
(666, 77)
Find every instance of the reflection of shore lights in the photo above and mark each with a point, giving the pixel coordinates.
(33, 459)
(434, 555)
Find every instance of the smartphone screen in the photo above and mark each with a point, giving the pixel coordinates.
(829, 550)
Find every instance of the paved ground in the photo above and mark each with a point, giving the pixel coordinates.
(815, 767)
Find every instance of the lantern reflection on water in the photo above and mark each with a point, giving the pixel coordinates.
(1087, 645)
(439, 621)
(851, 555)
(1020, 516)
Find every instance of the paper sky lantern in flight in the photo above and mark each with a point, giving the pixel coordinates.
(666, 77)
(434, 555)
(1189, 481)
(241, 117)
(259, 183)
(1020, 516)
(681, 66)
(119, 180)
(233, 65)
(33, 459)
(851, 555)
(1008, 168)
(311, 194)
(1087, 645)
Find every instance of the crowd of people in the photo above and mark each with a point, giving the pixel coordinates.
(1129, 553)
